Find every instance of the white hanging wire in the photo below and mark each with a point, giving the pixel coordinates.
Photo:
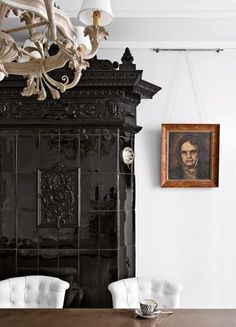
(174, 89)
(171, 100)
(196, 89)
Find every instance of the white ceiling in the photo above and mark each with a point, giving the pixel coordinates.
(168, 23)
(161, 8)
(165, 23)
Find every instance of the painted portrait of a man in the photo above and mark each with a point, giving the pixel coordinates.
(189, 155)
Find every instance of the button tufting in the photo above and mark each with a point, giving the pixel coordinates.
(17, 294)
(126, 292)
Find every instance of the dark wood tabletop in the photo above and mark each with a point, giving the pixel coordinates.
(115, 318)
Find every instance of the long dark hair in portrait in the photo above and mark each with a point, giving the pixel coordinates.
(202, 141)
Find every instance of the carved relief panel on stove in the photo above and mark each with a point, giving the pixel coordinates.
(58, 197)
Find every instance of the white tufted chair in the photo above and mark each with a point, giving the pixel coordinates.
(32, 292)
(126, 293)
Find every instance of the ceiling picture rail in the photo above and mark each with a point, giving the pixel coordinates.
(187, 49)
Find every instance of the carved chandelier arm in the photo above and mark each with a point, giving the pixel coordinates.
(37, 72)
(66, 86)
(26, 27)
(24, 68)
(95, 33)
(28, 53)
(65, 26)
(92, 52)
(4, 9)
(51, 19)
(34, 6)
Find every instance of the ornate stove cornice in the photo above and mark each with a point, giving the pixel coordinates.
(105, 96)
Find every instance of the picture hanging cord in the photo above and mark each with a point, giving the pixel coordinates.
(195, 86)
(196, 89)
(174, 89)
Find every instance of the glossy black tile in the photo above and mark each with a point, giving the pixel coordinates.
(7, 264)
(105, 299)
(48, 238)
(69, 271)
(8, 131)
(68, 238)
(73, 297)
(27, 153)
(27, 232)
(90, 130)
(127, 228)
(126, 262)
(108, 152)
(96, 248)
(108, 267)
(89, 230)
(49, 151)
(108, 191)
(69, 265)
(108, 230)
(90, 194)
(89, 268)
(123, 269)
(111, 131)
(69, 150)
(26, 191)
(7, 191)
(126, 134)
(125, 142)
(91, 298)
(131, 260)
(127, 192)
(49, 262)
(25, 131)
(49, 131)
(89, 152)
(70, 131)
(27, 262)
(7, 229)
(7, 153)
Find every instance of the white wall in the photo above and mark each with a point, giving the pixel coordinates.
(187, 235)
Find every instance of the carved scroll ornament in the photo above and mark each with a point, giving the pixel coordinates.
(58, 197)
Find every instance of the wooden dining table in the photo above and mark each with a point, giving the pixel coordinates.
(115, 318)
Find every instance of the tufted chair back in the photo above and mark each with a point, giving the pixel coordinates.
(126, 293)
(32, 292)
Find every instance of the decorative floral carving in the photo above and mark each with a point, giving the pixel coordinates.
(112, 107)
(3, 109)
(58, 197)
(98, 64)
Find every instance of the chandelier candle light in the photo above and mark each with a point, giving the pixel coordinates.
(47, 24)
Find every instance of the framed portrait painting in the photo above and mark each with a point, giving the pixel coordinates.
(190, 155)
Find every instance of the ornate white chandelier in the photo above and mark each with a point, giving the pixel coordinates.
(47, 24)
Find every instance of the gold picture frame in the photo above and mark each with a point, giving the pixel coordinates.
(190, 155)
